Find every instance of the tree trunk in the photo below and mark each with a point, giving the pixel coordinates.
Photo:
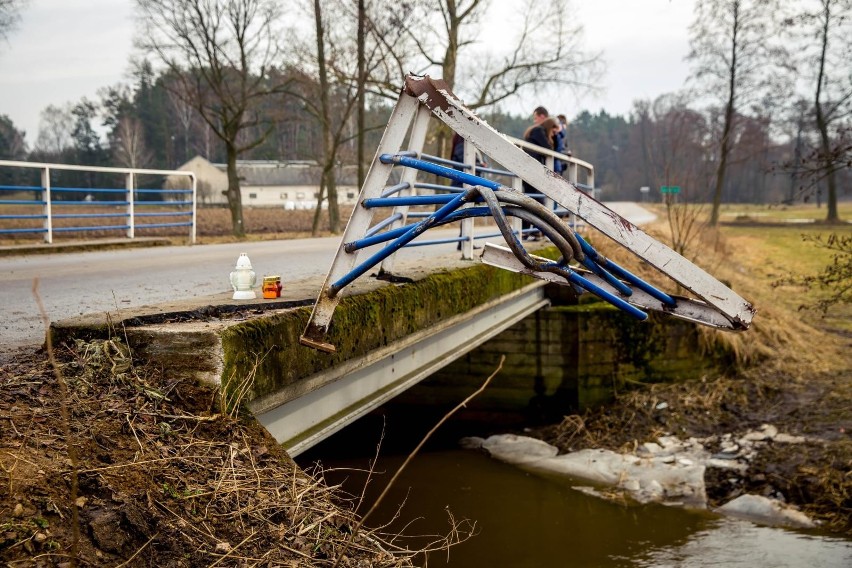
(235, 201)
(822, 124)
(333, 207)
(328, 148)
(832, 215)
(362, 78)
(318, 209)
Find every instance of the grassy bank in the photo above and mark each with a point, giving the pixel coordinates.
(794, 372)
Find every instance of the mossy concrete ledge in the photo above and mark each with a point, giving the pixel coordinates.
(254, 354)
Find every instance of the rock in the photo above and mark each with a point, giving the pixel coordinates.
(19, 510)
(650, 448)
(223, 547)
(105, 531)
(669, 442)
(685, 461)
(766, 432)
(518, 450)
(764, 510)
(788, 439)
(769, 431)
(725, 463)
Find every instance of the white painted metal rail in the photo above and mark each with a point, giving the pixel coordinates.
(129, 192)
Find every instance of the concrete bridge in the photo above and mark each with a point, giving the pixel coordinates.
(451, 322)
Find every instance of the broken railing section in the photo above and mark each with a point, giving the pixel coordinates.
(591, 272)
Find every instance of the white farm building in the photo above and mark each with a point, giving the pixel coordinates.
(267, 183)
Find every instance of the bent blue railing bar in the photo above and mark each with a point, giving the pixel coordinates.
(443, 171)
(400, 242)
(579, 280)
(625, 274)
(402, 236)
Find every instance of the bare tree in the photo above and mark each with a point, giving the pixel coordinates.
(546, 52)
(674, 141)
(10, 15)
(128, 143)
(830, 24)
(329, 82)
(733, 51)
(184, 113)
(220, 53)
(54, 130)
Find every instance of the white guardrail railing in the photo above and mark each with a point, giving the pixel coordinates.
(135, 208)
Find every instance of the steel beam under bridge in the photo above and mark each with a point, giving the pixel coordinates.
(356, 387)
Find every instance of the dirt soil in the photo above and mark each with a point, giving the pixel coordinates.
(154, 473)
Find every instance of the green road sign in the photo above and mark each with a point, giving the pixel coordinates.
(670, 189)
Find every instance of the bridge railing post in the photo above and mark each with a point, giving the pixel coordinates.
(467, 227)
(46, 208)
(131, 208)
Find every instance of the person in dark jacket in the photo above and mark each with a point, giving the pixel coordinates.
(544, 135)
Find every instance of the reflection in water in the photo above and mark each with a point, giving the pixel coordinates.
(738, 543)
(524, 520)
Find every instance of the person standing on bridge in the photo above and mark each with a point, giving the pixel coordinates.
(543, 134)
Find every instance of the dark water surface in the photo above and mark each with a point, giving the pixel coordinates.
(525, 520)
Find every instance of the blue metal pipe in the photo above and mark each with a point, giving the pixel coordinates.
(444, 161)
(428, 242)
(23, 216)
(172, 203)
(438, 187)
(435, 169)
(93, 228)
(21, 188)
(382, 224)
(625, 274)
(610, 279)
(87, 190)
(162, 191)
(165, 214)
(390, 190)
(377, 239)
(21, 202)
(408, 200)
(575, 278)
(400, 242)
(155, 225)
(88, 215)
(105, 203)
(10, 231)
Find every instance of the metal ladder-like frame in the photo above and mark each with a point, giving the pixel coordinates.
(422, 98)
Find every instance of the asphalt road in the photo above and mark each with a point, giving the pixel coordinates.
(72, 284)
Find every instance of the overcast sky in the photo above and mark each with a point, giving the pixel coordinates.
(67, 49)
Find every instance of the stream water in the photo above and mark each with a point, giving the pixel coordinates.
(525, 520)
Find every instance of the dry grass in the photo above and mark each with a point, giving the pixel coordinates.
(792, 369)
(164, 478)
